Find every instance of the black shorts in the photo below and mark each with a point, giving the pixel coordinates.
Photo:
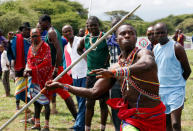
(90, 81)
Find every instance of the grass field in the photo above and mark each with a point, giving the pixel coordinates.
(63, 120)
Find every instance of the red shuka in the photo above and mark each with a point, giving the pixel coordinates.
(20, 59)
(146, 119)
(41, 65)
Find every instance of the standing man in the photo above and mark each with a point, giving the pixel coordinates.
(173, 71)
(140, 107)
(151, 37)
(96, 59)
(39, 68)
(115, 92)
(78, 74)
(18, 50)
(5, 69)
(53, 38)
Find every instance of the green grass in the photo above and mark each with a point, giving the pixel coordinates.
(59, 122)
(63, 120)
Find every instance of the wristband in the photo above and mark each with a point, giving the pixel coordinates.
(114, 72)
(65, 88)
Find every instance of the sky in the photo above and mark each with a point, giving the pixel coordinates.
(150, 10)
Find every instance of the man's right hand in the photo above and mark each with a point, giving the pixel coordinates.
(51, 85)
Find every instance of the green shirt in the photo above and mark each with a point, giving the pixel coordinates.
(98, 57)
(53, 49)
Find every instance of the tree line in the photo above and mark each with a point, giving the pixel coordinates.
(14, 13)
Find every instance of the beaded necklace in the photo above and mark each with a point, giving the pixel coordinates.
(127, 82)
(125, 63)
(36, 48)
(90, 38)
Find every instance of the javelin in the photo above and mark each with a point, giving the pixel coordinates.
(72, 65)
(89, 9)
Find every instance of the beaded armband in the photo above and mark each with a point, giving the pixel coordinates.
(125, 72)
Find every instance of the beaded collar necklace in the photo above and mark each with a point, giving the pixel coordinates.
(90, 38)
(129, 60)
(35, 48)
(128, 82)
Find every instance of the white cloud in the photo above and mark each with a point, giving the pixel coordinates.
(158, 2)
(189, 3)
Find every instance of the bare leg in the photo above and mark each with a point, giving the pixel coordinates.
(71, 106)
(89, 112)
(168, 122)
(53, 110)
(104, 113)
(176, 119)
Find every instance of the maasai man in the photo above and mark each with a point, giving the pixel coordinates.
(173, 71)
(140, 107)
(40, 69)
(78, 74)
(96, 59)
(18, 50)
(53, 38)
(151, 37)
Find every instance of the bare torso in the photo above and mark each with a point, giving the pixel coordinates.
(132, 95)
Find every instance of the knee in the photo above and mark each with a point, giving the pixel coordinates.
(89, 105)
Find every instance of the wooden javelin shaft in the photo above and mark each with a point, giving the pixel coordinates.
(72, 65)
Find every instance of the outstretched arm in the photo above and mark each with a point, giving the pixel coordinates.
(100, 87)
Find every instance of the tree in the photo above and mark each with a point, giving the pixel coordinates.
(121, 13)
(14, 13)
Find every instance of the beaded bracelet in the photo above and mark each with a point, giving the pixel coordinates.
(121, 72)
(65, 88)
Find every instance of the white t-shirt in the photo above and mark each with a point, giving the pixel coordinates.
(80, 69)
(4, 61)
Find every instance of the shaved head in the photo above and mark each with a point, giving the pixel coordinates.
(161, 25)
(67, 32)
(161, 33)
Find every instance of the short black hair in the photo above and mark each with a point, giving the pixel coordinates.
(45, 17)
(25, 25)
(128, 25)
(94, 18)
